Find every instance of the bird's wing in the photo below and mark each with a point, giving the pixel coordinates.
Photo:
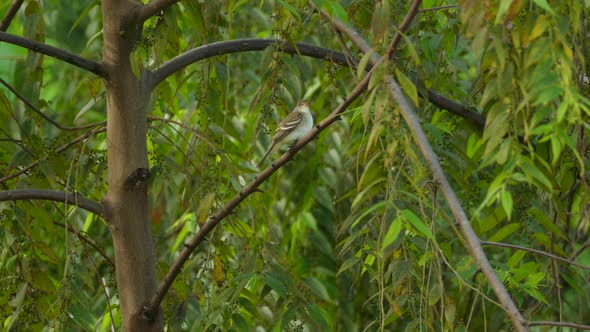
(289, 123)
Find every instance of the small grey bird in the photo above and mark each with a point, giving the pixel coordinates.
(292, 128)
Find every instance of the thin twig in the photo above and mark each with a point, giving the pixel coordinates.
(10, 14)
(196, 132)
(433, 9)
(403, 27)
(583, 247)
(43, 115)
(58, 150)
(535, 251)
(560, 324)
(86, 240)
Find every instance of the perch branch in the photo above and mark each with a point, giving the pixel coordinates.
(54, 52)
(252, 187)
(411, 119)
(52, 195)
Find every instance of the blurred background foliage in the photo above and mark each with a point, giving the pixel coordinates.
(351, 236)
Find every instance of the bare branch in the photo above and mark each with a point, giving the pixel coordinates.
(10, 14)
(54, 52)
(86, 240)
(154, 7)
(457, 109)
(43, 115)
(242, 45)
(62, 148)
(431, 158)
(52, 195)
(535, 251)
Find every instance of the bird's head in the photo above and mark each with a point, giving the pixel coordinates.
(303, 106)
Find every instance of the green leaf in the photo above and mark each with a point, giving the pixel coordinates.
(335, 9)
(504, 232)
(392, 233)
(319, 316)
(290, 8)
(547, 223)
(288, 316)
(418, 223)
(275, 283)
(532, 172)
(506, 198)
(362, 65)
(516, 258)
(240, 322)
(17, 303)
(473, 144)
(407, 86)
(318, 289)
(545, 5)
(375, 208)
(84, 14)
(352, 261)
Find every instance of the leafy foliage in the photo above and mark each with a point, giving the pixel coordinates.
(351, 236)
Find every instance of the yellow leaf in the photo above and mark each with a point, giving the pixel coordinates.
(408, 87)
(539, 28)
(218, 271)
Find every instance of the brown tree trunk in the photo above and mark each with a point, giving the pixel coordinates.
(126, 203)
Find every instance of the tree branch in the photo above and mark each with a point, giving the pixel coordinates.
(403, 27)
(154, 7)
(454, 107)
(86, 240)
(535, 251)
(242, 45)
(43, 115)
(254, 44)
(54, 52)
(252, 187)
(52, 195)
(431, 158)
(10, 14)
(58, 150)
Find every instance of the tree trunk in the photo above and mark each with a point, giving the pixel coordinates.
(126, 203)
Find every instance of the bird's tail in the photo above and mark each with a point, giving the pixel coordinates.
(265, 155)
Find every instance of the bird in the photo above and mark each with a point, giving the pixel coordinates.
(292, 128)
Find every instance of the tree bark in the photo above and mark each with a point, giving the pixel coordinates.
(126, 203)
